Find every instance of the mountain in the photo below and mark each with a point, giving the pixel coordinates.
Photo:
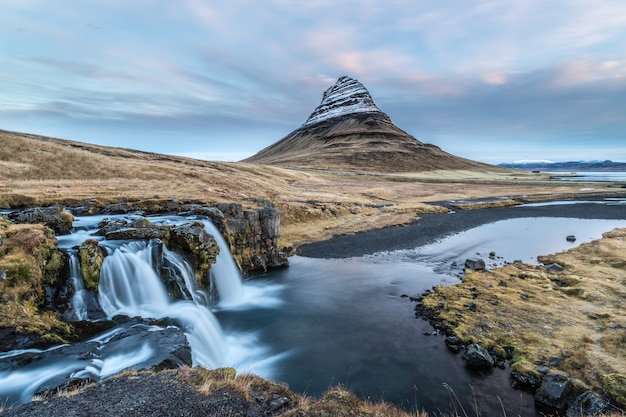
(571, 166)
(347, 131)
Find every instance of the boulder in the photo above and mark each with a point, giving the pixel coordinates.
(201, 248)
(587, 404)
(54, 217)
(554, 268)
(552, 394)
(478, 357)
(475, 264)
(453, 343)
(91, 256)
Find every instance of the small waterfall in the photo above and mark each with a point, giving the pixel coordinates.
(78, 302)
(181, 271)
(225, 273)
(130, 286)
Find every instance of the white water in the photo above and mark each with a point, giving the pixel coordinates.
(225, 272)
(78, 303)
(130, 286)
(182, 272)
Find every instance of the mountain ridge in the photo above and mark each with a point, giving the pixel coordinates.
(347, 131)
(606, 165)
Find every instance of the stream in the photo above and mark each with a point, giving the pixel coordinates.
(313, 325)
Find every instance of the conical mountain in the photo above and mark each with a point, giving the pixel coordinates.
(347, 131)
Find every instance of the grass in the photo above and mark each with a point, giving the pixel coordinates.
(526, 307)
(316, 204)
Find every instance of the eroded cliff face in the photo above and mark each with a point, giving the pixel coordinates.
(252, 236)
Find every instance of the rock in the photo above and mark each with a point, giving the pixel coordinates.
(138, 234)
(478, 357)
(552, 394)
(528, 381)
(202, 249)
(475, 264)
(587, 404)
(91, 256)
(554, 268)
(571, 238)
(253, 237)
(508, 352)
(54, 217)
(472, 307)
(453, 343)
(168, 346)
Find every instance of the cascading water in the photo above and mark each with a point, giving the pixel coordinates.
(225, 272)
(78, 302)
(180, 271)
(130, 286)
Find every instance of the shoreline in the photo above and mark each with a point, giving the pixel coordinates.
(432, 227)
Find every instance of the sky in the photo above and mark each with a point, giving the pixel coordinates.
(494, 81)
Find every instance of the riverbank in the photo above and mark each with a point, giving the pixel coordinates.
(431, 227)
(198, 392)
(469, 220)
(566, 320)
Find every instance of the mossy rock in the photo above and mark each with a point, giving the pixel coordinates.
(91, 256)
(614, 385)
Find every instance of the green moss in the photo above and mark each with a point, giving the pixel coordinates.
(614, 385)
(91, 256)
(17, 270)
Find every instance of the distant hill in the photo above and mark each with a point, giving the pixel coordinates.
(347, 131)
(572, 166)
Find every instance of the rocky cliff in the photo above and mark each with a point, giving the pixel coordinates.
(348, 131)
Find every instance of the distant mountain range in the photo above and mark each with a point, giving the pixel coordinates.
(571, 166)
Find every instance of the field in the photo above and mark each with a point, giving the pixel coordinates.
(316, 204)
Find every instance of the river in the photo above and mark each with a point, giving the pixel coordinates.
(347, 320)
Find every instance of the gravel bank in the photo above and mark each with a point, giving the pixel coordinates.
(431, 227)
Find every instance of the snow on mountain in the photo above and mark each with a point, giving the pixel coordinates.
(346, 96)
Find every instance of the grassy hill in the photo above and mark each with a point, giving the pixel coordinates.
(316, 203)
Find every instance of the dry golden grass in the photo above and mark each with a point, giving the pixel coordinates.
(316, 204)
(577, 313)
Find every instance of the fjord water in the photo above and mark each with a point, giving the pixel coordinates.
(318, 323)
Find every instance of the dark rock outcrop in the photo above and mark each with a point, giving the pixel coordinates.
(478, 357)
(168, 345)
(252, 236)
(552, 394)
(54, 217)
(475, 264)
(587, 404)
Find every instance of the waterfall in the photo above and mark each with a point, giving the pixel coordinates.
(78, 302)
(129, 285)
(181, 272)
(225, 273)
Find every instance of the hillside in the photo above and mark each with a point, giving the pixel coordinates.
(38, 170)
(348, 131)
